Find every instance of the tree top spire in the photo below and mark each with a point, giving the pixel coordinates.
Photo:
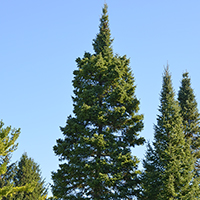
(103, 41)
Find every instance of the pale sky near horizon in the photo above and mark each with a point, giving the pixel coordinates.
(40, 40)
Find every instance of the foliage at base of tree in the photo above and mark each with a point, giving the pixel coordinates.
(7, 178)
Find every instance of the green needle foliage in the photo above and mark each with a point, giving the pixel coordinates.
(191, 117)
(169, 164)
(8, 137)
(96, 149)
(7, 178)
(28, 172)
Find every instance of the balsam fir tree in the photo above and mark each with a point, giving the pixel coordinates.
(28, 171)
(169, 164)
(191, 117)
(96, 148)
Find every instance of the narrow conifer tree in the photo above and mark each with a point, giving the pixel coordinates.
(169, 164)
(191, 117)
(96, 149)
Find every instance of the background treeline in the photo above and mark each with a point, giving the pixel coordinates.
(95, 151)
(20, 180)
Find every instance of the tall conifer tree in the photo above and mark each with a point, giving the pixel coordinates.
(169, 164)
(191, 117)
(96, 149)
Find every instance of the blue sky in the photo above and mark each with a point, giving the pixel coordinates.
(40, 40)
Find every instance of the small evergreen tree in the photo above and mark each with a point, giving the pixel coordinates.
(28, 171)
(97, 141)
(169, 164)
(191, 117)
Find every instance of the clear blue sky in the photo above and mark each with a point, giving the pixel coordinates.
(40, 40)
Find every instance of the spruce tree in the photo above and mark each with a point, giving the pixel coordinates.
(96, 148)
(28, 171)
(169, 164)
(191, 117)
